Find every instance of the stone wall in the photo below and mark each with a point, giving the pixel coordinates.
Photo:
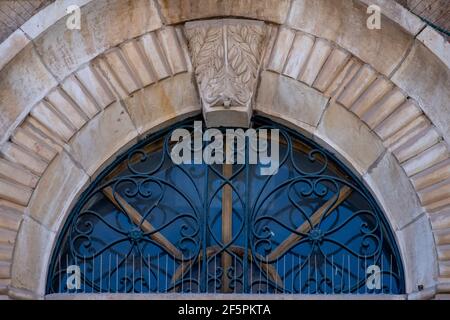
(71, 101)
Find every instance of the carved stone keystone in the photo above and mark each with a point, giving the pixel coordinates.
(226, 55)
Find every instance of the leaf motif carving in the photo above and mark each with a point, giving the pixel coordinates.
(226, 58)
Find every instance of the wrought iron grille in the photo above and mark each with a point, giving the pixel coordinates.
(147, 225)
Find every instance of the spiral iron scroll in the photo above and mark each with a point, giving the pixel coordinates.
(147, 225)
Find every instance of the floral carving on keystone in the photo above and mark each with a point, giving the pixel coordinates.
(226, 55)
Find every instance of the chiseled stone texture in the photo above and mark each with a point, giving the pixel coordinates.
(394, 191)
(175, 11)
(23, 82)
(58, 187)
(344, 21)
(418, 249)
(104, 24)
(286, 98)
(344, 132)
(104, 136)
(31, 257)
(427, 79)
(12, 46)
(168, 99)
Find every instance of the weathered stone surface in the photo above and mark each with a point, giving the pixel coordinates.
(12, 46)
(432, 175)
(281, 49)
(104, 136)
(14, 192)
(419, 256)
(344, 22)
(394, 191)
(46, 17)
(175, 11)
(286, 98)
(427, 79)
(344, 132)
(165, 100)
(299, 54)
(398, 13)
(56, 190)
(31, 257)
(437, 43)
(319, 55)
(17, 173)
(427, 159)
(23, 82)
(105, 23)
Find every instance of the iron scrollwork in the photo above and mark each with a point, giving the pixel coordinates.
(147, 225)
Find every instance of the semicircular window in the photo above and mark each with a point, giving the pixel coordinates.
(149, 225)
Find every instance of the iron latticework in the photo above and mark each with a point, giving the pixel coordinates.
(147, 225)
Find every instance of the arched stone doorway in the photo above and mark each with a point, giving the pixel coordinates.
(383, 110)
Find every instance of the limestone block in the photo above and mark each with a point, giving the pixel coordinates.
(397, 120)
(49, 119)
(442, 236)
(289, 99)
(357, 145)
(96, 85)
(35, 128)
(31, 257)
(419, 256)
(15, 192)
(299, 54)
(427, 159)
(105, 24)
(155, 55)
(281, 49)
(46, 17)
(432, 175)
(66, 108)
(373, 94)
(104, 136)
(160, 102)
(121, 71)
(36, 146)
(10, 47)
(7, 236)
(138, 63)
(417, 144)
(10, 217)
(172, 48)
(19, 155)
(356, 87)
(441, 220)
(435, 193)
(114, 83)
(5, 269)
(23, 82)
(344, 22)
(437, 43)
(6, 252)
(17, 173)
(383, 108)
(407, 132)
(427, 79)
(344, 77)
(80, 95)
(56, 190)
(334, 64)
(317, 58)
(175, 11)
(394, 191)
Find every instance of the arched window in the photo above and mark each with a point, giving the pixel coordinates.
(148, 225)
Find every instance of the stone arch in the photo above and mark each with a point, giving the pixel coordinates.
(382, 108)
